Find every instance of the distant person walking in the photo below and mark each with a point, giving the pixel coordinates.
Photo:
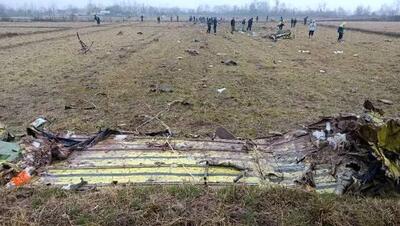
(158, 19)
(305, 20)
(294, 22)
(243, 24)
(341, 32)
(233, 24)
(291, 22)
(177, 18)
(312, 27)
(209, 23)
(257, 19)
(215, 23)
(250, 24)
(141, 18)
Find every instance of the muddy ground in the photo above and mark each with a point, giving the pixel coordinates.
(274, 87)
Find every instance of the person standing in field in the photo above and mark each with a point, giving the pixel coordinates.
(250, 24)
(209, 22)
(281, 25)
(341, 32)
(305, 20)
(158, 19)
(141, 18)
(233, 23)
(97, 19)
(294, 22)
(215, 22)
(257, 19)
(312, 27)
(243, 24)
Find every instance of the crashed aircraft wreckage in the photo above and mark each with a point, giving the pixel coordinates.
(344, 154)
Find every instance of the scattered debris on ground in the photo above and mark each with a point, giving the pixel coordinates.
(192, 52)
(120, 33)
(162, 88)
(280, 34)
(229, 62)
(342, 154)
(304, 51)
(385, 101)
(221, 90)
(338, 52)
(84, 47)
(139, 33)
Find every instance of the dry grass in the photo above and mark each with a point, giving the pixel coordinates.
(190, 205)
(274, 87)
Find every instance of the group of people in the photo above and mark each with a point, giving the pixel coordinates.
(243, 22)
(212, 22)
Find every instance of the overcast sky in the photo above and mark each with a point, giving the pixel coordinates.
(300, 4)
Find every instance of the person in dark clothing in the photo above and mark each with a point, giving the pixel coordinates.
(209, 23)
(281, 25)
(233, 23)
(291, 22)
(170, 18)
(243, 24)
(305, 20)
(215, 22)
(158, 19)
(250, 24)
(190, 19)
(177, 18)
(267, 18)
(294, 22)
(141, 18)
(281, 19)
(257, 19)
(341, 32)
(97, 19)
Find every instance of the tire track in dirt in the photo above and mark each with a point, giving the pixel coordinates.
(61, 37)
(58, 29)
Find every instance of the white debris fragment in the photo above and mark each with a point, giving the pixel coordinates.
(221, 90)
(304, 51)
(338, 52)
(120, 137)
(322, 71)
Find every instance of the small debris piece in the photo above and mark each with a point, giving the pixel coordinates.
(338, 52)
(355, 55)
(221, 90)
(162, 88)
(221, 54)
(192, 52)
(305, 51)
(84, 48)
(120, 33)
(229, 62)
(156, 39)
(368, 105)
(140, 33)
(322, 71)
(179, 58)
(388, 102)
(196, 40)
(222, 133)
(75, 187)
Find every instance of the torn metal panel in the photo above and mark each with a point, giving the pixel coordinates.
(176, 161)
